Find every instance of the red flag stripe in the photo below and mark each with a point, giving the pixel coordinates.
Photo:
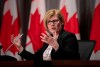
(9, 26)
(69, 11)
(35, 25)
(95, 33)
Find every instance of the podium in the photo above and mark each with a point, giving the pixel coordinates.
(7, 58)
(75, 63)
(55, 63)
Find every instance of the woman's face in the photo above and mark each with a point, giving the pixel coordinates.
(54, 25)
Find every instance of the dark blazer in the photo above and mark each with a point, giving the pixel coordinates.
(68, 49)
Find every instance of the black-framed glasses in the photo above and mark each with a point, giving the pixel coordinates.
(53, 22)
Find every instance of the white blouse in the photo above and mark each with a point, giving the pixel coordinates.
(47, 53)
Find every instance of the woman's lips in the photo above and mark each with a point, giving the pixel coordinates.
(53, 28)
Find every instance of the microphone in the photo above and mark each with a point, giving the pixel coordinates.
(12, 44)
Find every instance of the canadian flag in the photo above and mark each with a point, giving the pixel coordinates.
(9, 26)
(95, 33)
(69, 10)
(35, 27)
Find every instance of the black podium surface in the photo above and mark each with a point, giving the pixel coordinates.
(7, 58)
(55, 63)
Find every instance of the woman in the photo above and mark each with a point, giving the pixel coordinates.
(58, 43)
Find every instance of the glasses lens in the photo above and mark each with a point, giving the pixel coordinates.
(53, 21)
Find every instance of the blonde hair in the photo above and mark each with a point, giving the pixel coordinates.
(51, 13)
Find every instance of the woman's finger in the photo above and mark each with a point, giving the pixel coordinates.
(47, 34)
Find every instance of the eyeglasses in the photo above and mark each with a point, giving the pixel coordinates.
(53, 22)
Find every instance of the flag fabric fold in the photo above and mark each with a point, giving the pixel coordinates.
(35, 27)
(69, 11)
(10, 25)
(95, 33)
